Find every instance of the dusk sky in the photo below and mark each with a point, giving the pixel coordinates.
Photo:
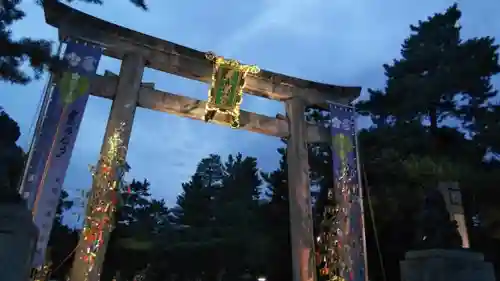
(341, 42)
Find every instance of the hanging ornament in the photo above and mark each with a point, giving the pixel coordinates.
(226, 92)
(109, 176)
(42, 273)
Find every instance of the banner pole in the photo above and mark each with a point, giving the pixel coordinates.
(361, 200)
(38, 127)
(344, 117)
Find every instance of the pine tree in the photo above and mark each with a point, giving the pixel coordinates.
(277, 219)
(38, 53)
(196, 239)
(239, 193)
(194, 205)
(134, 197)
(140, 219)
(63, 239)
(237, 218)
(438, 76)
(210, 170)
(277, 182)
(63, 205)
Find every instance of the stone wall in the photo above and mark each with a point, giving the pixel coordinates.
(18, 236)
(446, 265)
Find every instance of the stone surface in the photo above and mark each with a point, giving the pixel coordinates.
(453, 198)
(445, 265)
(18, 236)
(435, 230)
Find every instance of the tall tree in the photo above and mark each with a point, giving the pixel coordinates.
(236, 217)
(277, 220)
(439, 75)
(196, 240)
(217, 232)
(139, 220)
(63, 240)
(211, 171)
(194, 206)
(440, 79)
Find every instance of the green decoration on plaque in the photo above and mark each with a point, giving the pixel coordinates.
(72, 86)
(226, 92)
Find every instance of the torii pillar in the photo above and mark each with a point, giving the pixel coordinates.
(121, 118)
(301, 223)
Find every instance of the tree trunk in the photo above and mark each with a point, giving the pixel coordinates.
(433, 130)
(434, 120)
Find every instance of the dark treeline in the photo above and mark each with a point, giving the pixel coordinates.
(436, 120)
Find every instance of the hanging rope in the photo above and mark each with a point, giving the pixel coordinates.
(42, 105)
(375, 232)
(36, 123)
(63, 261)
(36, 127)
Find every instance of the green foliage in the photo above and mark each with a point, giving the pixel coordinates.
(62, 240)
(277, 181)
(139, 220)
(14, 54)
(440, 78)
(63, 205)
(194, 205)
(216, 219)
(236, 217)
(220, 229)
(277, 221)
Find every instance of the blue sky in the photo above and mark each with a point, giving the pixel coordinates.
(331, 41)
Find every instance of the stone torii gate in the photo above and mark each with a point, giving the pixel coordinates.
(137, 50)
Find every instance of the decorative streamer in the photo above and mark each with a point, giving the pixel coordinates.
(341, 239)
(109, 176)
(50, 161)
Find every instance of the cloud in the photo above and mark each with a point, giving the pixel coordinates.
(274, 16)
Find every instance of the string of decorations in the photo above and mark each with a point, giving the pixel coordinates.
(226, 91)
(108, 175)
(141, 276)
(328, 244)
(334, 244)
(335, 241)
(42, 273)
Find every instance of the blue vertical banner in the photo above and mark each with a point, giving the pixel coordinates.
(347, 194)
(54, 147)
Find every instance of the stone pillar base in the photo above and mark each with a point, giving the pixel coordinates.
(445, 265)
(18, 237)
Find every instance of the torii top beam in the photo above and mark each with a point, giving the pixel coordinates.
(183, 61)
